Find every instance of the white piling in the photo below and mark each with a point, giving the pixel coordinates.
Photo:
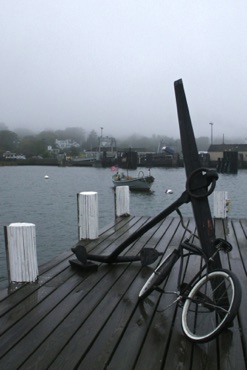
(122, 201)
(88, 215)
(221, 204)
(20, 241)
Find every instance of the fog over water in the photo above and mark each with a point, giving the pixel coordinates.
(112, 64)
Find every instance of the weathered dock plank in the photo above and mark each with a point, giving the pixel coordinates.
(74, 319)
(235, 354)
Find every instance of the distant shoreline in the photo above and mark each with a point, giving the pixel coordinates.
(30, 162)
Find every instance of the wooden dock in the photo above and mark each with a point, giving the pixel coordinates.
(73, 319)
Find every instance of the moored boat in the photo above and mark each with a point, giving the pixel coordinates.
(141, 182)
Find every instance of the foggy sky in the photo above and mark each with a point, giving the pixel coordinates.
(113, 63)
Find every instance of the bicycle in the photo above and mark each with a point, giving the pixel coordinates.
(209, 302)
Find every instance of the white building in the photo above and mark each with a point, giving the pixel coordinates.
(65, 144)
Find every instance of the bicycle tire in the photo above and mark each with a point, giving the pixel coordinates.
(159, 274)
(208, 311)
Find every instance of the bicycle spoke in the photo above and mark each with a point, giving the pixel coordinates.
(206, 315)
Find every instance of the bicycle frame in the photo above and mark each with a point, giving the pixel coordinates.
(184, 250)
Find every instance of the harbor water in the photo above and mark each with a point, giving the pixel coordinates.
(51, 203)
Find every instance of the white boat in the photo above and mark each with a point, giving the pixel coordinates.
(141, 182)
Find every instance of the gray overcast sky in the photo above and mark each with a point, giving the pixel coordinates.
(113, 63)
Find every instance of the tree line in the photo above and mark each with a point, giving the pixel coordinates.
(23, 141)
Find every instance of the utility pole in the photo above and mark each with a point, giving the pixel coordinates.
(211, 123)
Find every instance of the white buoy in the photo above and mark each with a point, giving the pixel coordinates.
(169, 191)
(46, 177)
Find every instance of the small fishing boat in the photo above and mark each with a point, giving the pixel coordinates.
(141, 182)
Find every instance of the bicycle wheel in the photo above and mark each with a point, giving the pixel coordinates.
(159, 274)
(211, 305)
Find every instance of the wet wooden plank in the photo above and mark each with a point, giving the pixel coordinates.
(232, 353)
(27, 290)
(238, 259)
(162, 332)
(109, 231)
(82, 319)
(11, 317)
(52, 268)
(127, 316)
(88, 330)
(24, 326)
(167, 324)
(63, 321)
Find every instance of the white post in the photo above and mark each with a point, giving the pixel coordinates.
(221, 204)
(21, 252)
(88, 217)
(122, 201)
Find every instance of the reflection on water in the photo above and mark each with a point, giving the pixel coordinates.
(51, 204)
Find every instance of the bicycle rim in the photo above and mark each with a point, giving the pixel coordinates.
(159, 274)
(211, 305)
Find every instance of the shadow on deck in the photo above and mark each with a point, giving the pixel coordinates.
(72, 319)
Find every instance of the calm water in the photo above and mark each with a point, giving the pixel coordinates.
(52, 204)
